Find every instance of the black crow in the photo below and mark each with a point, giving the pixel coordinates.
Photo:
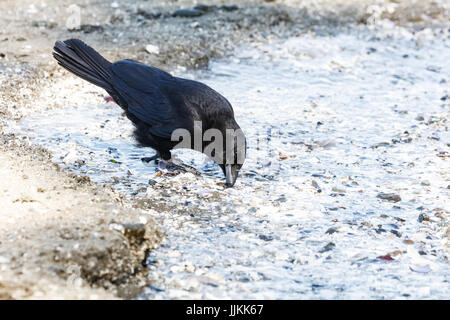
(158, 104)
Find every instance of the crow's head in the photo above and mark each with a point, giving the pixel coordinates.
(234, 153)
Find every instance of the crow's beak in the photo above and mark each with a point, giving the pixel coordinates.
(230, 175)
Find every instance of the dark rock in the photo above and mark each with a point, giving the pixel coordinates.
(265, 238)
(391, 197)
(187, 13)
(204, 7)
(423, 217)
(44, 24)
(381, 144)
(380, 230)
(148, 15)
(315, 184)
(396, 233)
(420, 118)
(88, 28)
(433, 69)
(252, 210)
(230, 7)
(330, 246)
(331, 231)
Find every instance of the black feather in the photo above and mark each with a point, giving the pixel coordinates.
(156, 102)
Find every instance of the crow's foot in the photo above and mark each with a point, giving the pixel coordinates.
(152, 158)
(175, 169)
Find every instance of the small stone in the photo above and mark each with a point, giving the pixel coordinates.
(330, 246)
(265, 238)
(396, 233)
(315, 185)
(386, 258)
(331, 231)
(230, 7)
(381, 144)
(338, 190)
(43, 24)
(391, 197)
(88, 28)
(204, 7)
(152, 49)
(423, 217)
(187, 13)
(395, 253)
(420, 117)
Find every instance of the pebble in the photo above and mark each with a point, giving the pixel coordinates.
(330, 246)
(423, 217)
(152, 49)
(230, 7)
(420, 118)
(265, 238)
(187, 13)
(331, 231)
(204, 7)
(44, 24)
(88, 28)
(391, 197)
(396, 233)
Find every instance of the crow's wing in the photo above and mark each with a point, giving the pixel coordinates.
(141, 86)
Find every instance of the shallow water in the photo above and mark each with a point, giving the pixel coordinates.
(332, 121)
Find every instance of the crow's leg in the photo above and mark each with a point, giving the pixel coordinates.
(152, 158)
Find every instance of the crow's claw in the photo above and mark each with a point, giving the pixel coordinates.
(152, 158)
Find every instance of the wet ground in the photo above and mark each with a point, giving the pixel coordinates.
(345, 190)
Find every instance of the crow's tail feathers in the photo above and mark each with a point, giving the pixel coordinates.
(83, 61)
